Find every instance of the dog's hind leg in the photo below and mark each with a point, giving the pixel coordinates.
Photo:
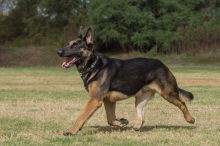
(140, 102)
(168, 90)
(177, 101)
(110, 113)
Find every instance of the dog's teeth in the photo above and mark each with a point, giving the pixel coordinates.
(63, 64)
(68, 62)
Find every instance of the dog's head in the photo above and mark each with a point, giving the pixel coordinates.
(77, 50)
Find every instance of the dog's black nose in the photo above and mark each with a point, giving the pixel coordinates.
(60, 52)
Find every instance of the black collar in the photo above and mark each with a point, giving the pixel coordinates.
(91, 65)
(95, 60)
(90, 71)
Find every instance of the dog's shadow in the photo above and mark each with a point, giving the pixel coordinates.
(104, 129)
(168, 127)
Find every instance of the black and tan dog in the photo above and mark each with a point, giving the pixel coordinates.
(108, 80)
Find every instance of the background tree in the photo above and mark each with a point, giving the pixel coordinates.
(160, 25)
(153, 24)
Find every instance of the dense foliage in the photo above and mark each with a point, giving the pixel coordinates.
(160, 25)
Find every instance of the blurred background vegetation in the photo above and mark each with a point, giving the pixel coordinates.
(34, 29)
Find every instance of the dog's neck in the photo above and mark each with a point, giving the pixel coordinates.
(87, 64)
(89, 69)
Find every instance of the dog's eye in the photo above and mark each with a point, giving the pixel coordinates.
(74, 44)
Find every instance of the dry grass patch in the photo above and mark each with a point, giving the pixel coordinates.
(37, 105)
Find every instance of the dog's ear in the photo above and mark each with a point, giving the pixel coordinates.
(89, 37)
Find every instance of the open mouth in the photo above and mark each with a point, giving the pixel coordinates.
(69, 61)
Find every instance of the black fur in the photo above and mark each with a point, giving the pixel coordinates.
(108, 80)
(186, 94)
(125, 76)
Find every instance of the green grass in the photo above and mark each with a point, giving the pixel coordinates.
(38, 103)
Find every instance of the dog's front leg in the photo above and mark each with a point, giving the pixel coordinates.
(110, 113)
(90, 108)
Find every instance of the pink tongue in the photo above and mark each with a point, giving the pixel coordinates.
(68, 62)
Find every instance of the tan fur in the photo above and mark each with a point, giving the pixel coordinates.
(154, 86)
(110, 111)
(95, 89)
(99, 95)
(168, 94)
(94, 103)
(91, 107)
(72, 42)
(104, 77)
(86, 53)
(96, 100)
(172, 97)
(114, 96)
(141, 99)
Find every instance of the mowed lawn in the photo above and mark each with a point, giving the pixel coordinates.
(38, 104)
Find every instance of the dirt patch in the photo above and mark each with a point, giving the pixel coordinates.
(199, 82)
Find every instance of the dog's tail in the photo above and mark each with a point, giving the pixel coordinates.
(188, 96)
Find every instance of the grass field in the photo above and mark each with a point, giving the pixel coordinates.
(38, 104)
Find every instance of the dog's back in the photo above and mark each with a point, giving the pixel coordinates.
(129, 76)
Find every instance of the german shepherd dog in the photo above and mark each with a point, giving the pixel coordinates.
(108, 80)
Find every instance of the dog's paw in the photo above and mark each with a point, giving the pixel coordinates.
(138, 125)
(120, 122)
(123, 121)
(68, 134)
(191, 121)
